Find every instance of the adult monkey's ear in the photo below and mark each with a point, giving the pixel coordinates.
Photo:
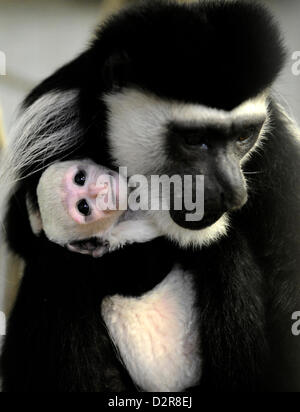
(117, 70)
(35, 218)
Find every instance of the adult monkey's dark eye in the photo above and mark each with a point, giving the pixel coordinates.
(80, 178)
(243, 138)
(250, 133)
(84, 208)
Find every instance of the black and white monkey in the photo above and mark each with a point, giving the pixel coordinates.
(73, 199)
(176, 90)
(83, 206)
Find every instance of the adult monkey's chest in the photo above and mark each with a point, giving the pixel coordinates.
(157, 335)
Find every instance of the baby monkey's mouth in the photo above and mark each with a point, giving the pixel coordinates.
(95, 247)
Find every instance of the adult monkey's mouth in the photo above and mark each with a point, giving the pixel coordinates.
(209, 219)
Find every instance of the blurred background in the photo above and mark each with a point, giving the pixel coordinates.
(38, 36)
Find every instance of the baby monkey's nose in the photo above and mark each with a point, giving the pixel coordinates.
(98, 190)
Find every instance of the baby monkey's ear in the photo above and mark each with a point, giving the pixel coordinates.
(35, 218)
(95, 247)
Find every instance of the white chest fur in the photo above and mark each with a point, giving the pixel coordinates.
(157, 335)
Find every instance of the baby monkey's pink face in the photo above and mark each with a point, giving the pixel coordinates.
(91, 193)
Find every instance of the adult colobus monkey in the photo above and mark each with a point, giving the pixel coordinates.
(164, 89)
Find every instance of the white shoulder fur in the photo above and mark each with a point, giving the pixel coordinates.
(157, 335)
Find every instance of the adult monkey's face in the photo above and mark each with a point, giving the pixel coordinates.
(153, 136)
(176, 89)
(187, 94)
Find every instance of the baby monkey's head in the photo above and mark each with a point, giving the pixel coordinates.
(79, 199)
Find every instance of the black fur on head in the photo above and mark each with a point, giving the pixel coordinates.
(214, 53)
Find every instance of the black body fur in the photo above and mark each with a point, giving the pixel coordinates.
(248, 284)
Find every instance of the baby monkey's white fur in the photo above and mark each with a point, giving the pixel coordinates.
(117, 230)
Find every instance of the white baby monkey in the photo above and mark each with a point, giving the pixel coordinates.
(82, 206)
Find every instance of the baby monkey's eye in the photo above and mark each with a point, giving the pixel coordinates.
(84, 208)
(80, 178)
